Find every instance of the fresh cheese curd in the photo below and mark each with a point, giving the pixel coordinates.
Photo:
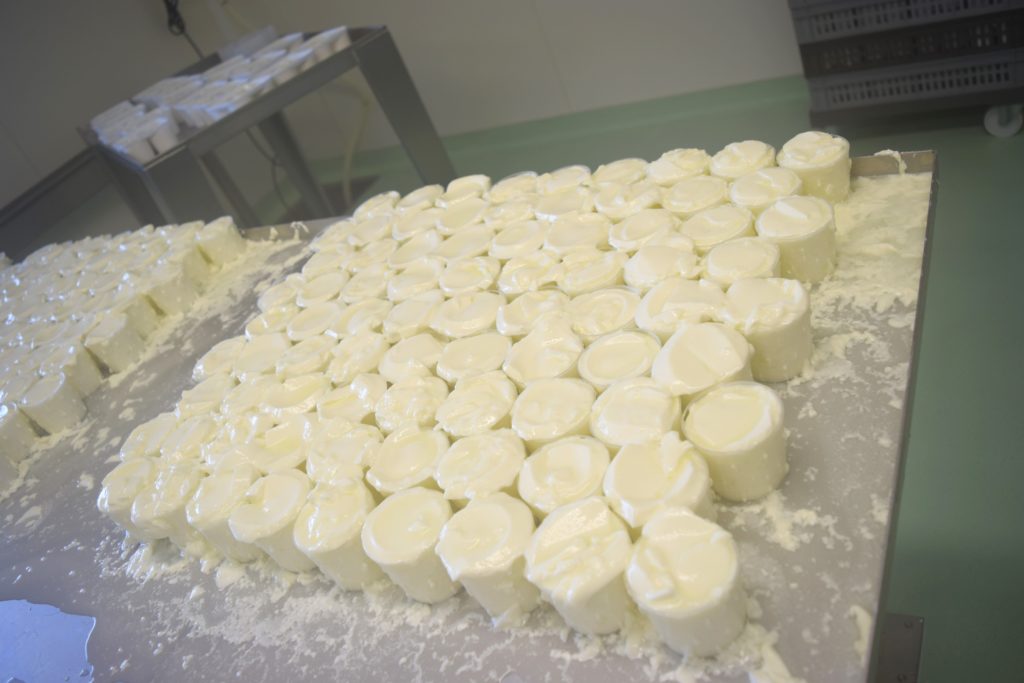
(216, 497)
(697, 357)
(740, 158)
(382, 204)
(529, 273)
(466, 314)
(738, 428)
(368, 283)
(120, 488)
(516, 318)
(480, 465)
(158, 510)
(401, 534)
(621, 172)
(354, 401)
(804, 230)
(758, 190)
(550, 409)
(75, 362)
(618, 202)
(296, 395)
(411, 316)
(53, 404)
(550, 350)
(466, 187)
(419, 246)
(204, 398)
(822, 161)
(570, 202)
(270, 322)
(479, 403)
(16, 440)
(483, 547)
(692, 195)
(518, 239)
(420, 199)
(513, 187)
(678, 164)
(602, 312)
(684, 576)
(356, 355)
(321, 288)
(654, 263)
(462, 215)
(577, 558)
(501, 214)
(564, 178)
(328, 528)
(413, 400)
(219, 359)
(364, 316)
(307, 356)
(474, 355)
(115, 343)
(638, 229)
(588, 270)
(266, 517)
(571, 233)
(465, 276)
(675, 301)
(635, 410)
(775, 317)
(415, 356)
(472, 241)
(714, 226)
(259, 356)
(416, 279)
(341, 450)
(740, 259)
(645, 478)
(411, 224)
(565, 470)
(618, 356)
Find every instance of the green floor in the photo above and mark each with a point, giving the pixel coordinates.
(959, 554)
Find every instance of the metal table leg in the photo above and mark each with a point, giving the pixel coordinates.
(387, 76)
(180, 189)
(286, 148)
(245, 216)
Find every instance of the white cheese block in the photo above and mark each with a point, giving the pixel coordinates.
(692, 195)
(739, 259)
(719, 224)
(678, 164)
(698, 357)
(400, 535)
(676, 301)
(739, 429)
(550, 409)
(516, 318)
(411, 401)
(740, 158)
(328, 532)
(171, 291)
(121, 486)
(636, 410)
(16, 436)
(71, 359)
(563, 471)
(822, 161)
(216, 497)
(53, 404)
(805, 232)
(220, 241)
(577, 558)
(266, 517)
(644, 478)
(618, 356)
(483, 548)
(775, 317)
(480, 465)
(550, 350)
(472, 356)
(758, 190)
(684, 576)
(115, 343)
(355, 401)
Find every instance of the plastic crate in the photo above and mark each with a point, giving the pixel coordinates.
(821, 20)
(946, 40)
(950, 79)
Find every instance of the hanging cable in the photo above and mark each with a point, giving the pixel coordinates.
(176, 24)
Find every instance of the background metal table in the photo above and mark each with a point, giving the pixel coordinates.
(60, 551)
(173, 188)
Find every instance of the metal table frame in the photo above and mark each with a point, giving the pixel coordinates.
(173, 188)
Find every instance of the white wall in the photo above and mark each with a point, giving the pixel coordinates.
(477, 63)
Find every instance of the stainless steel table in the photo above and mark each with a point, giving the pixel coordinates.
(809, 558)
(173, 188)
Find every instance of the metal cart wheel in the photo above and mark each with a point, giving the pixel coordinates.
(1004, 121)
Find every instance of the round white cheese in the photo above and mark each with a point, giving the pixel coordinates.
(740, 158)
(618, 356)
(699, 356)
(775, 317)
(413, 400)
(675, 301)
(635, 410)
(266, 517)
(478, 403)
(739, 259)
(805, 232)
(480, 465)
(472, 356)
(550, 409)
